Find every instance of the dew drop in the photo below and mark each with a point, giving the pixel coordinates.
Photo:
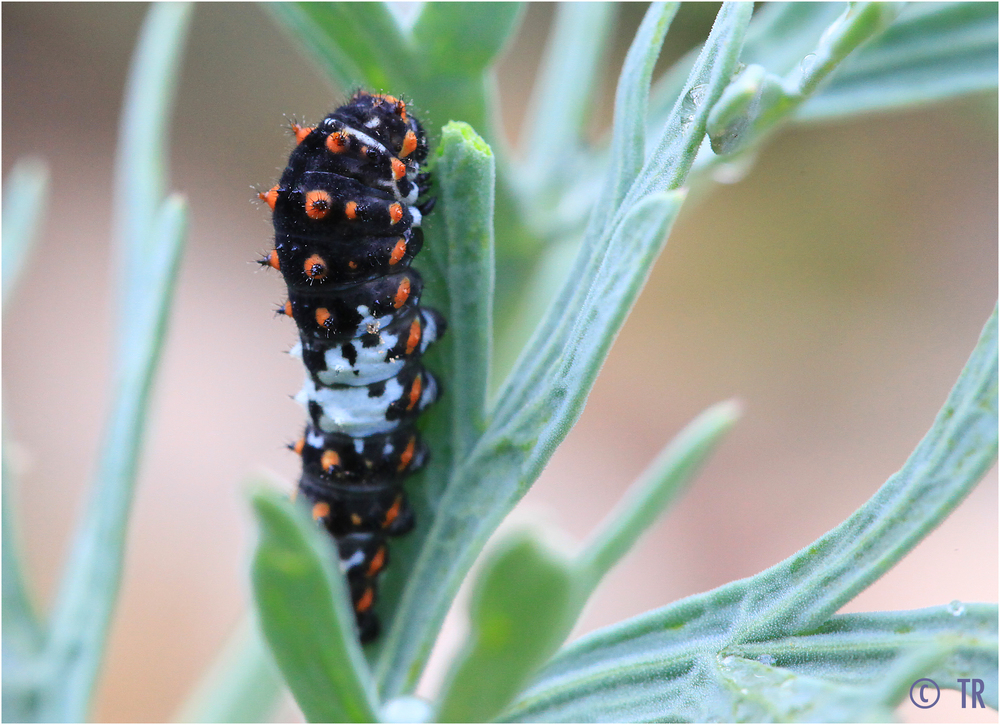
(692, 101)
(766, 660)
(808, 64)
(956, 608)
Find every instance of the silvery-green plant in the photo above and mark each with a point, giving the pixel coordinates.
(770, 647)
(50, 666)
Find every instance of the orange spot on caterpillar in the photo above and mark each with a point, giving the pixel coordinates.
(301, 132)
(351, 210)
(365, 602)
(317, 203)
(298, 445)
(395, 212)
(320, 510)
(407, 455)
(271, 260)
(329, 460)
(337, 142)
(398, 252)
(287, 309)
(415, 390)
(398, 169)
(355, 519)
(413, 339)
(315, 267)
(352, 264)
(402, 293)
(378, 561)
(393, 512)
(409, 144)
(322, 315)
(270, 196)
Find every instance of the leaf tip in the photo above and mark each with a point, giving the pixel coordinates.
(459, 132)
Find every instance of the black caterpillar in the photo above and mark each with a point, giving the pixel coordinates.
(347, 225)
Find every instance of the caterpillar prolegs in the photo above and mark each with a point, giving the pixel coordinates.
(347, 216)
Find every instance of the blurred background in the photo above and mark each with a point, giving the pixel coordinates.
(837, 290)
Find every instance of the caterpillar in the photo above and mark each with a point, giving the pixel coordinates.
(347, 216)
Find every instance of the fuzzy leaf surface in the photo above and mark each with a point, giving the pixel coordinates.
(459, 273)
(646, 668)
(304, 611)
(548, 391)
(932, 52)
(522, 608)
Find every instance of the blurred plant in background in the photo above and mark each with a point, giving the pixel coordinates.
(529, 332)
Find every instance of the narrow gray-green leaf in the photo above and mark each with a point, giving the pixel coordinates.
(24, 632)
(562, 95)
(628, 135)
(354, 43)
(466, 172)
(242, 685)
(807, 588)
(758, 100)
(92, 574)
(550, 335)
(781, 34)
(644, 668)
(529, 603)
(858, 23)
(762, 693)
(24, 194)
(857, 648)
(668, 168)
(658, 666)
(304, 611)
(553, 157)
(933, 51)
(657, 488)
(23, 635)
(141, 157)
(464, 38)
(458, 272)
(521, 611)
(668, 165)
(487, 485)
(672, 665)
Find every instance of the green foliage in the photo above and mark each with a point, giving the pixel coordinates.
(770, 647)
(306, 615)
(521, 611)
(54, 671)
(652, 665)
(486, 458)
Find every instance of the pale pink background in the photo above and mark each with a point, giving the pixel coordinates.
(837, 291)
